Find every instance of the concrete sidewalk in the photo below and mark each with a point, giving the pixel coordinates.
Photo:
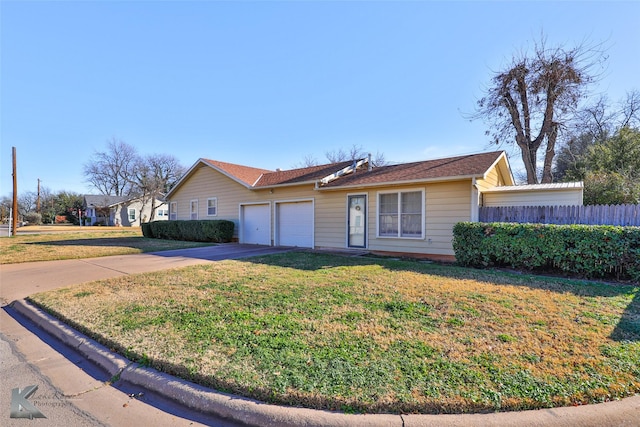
(20, 280)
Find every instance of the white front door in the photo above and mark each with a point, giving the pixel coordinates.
(357, 221)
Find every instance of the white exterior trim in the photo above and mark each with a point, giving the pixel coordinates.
(209, 199)
(398, 191)
(191, 209)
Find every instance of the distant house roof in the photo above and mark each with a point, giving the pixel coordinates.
(533, 187)
(102, 201)
(349, 174)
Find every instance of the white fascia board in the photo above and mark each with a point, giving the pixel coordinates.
(396, 183)
(494, 164)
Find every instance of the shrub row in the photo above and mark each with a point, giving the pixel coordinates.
(591, 251)
(194, 231)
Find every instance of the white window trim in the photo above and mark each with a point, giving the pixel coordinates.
(129, 214)
(173, 210)
(423, 211)
(191, 209)
(216, 200)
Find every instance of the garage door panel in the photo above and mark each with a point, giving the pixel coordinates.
(295, 224)
(256, 224)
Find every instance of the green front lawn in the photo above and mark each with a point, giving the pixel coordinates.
(74, 244)
(370, 335)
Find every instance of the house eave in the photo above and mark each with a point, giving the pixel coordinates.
(398, 183)
(290, 184)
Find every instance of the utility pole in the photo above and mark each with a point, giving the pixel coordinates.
(14, 221)
(38, 199)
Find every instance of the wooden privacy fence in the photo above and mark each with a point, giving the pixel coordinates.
(591, 215)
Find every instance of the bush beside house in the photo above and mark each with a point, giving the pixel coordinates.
(585, 250)
(218, 231)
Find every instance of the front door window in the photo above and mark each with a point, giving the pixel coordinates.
(357, 221)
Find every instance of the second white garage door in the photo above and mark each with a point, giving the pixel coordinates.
(295, 224)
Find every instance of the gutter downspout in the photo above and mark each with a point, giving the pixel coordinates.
(475, 201)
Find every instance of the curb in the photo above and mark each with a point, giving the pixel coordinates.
(194, 396)
(625, 412)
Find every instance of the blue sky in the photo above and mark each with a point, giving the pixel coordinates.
(267, 83)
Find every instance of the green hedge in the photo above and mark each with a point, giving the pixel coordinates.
(592, 251)
(194, 231)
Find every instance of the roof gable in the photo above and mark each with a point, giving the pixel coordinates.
(244, 174)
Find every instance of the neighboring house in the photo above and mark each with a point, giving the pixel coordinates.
(121, 211)
(407, 208)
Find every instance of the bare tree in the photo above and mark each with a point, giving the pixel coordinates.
(154, 176)
(592, 125)
(530, 102)
(308, 161)
(356, 152)
(111, 171)
(630, 110)
(27, 202)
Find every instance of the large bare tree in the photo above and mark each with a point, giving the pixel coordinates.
(111, 171)
(530, 101)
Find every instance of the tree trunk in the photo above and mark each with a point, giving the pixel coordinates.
(529, 160)
(547, 176)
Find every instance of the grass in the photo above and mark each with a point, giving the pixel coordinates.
(80, 242)
(370, 335)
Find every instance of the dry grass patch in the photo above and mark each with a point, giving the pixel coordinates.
(370, 335)
(75, 243)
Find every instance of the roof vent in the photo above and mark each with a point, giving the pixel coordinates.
(278, 170)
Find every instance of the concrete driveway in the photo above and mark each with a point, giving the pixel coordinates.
(20, 280)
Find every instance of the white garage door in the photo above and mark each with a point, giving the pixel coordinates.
(295, 224)
(256, 224)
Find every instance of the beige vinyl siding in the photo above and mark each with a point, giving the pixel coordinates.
(567, 197)
(331, 218)
(492, 179)
(446, 204)
(205, 183)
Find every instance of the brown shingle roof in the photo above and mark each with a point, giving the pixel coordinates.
(469, 165)
(246, 174)
(460, 166)
(297, 176)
